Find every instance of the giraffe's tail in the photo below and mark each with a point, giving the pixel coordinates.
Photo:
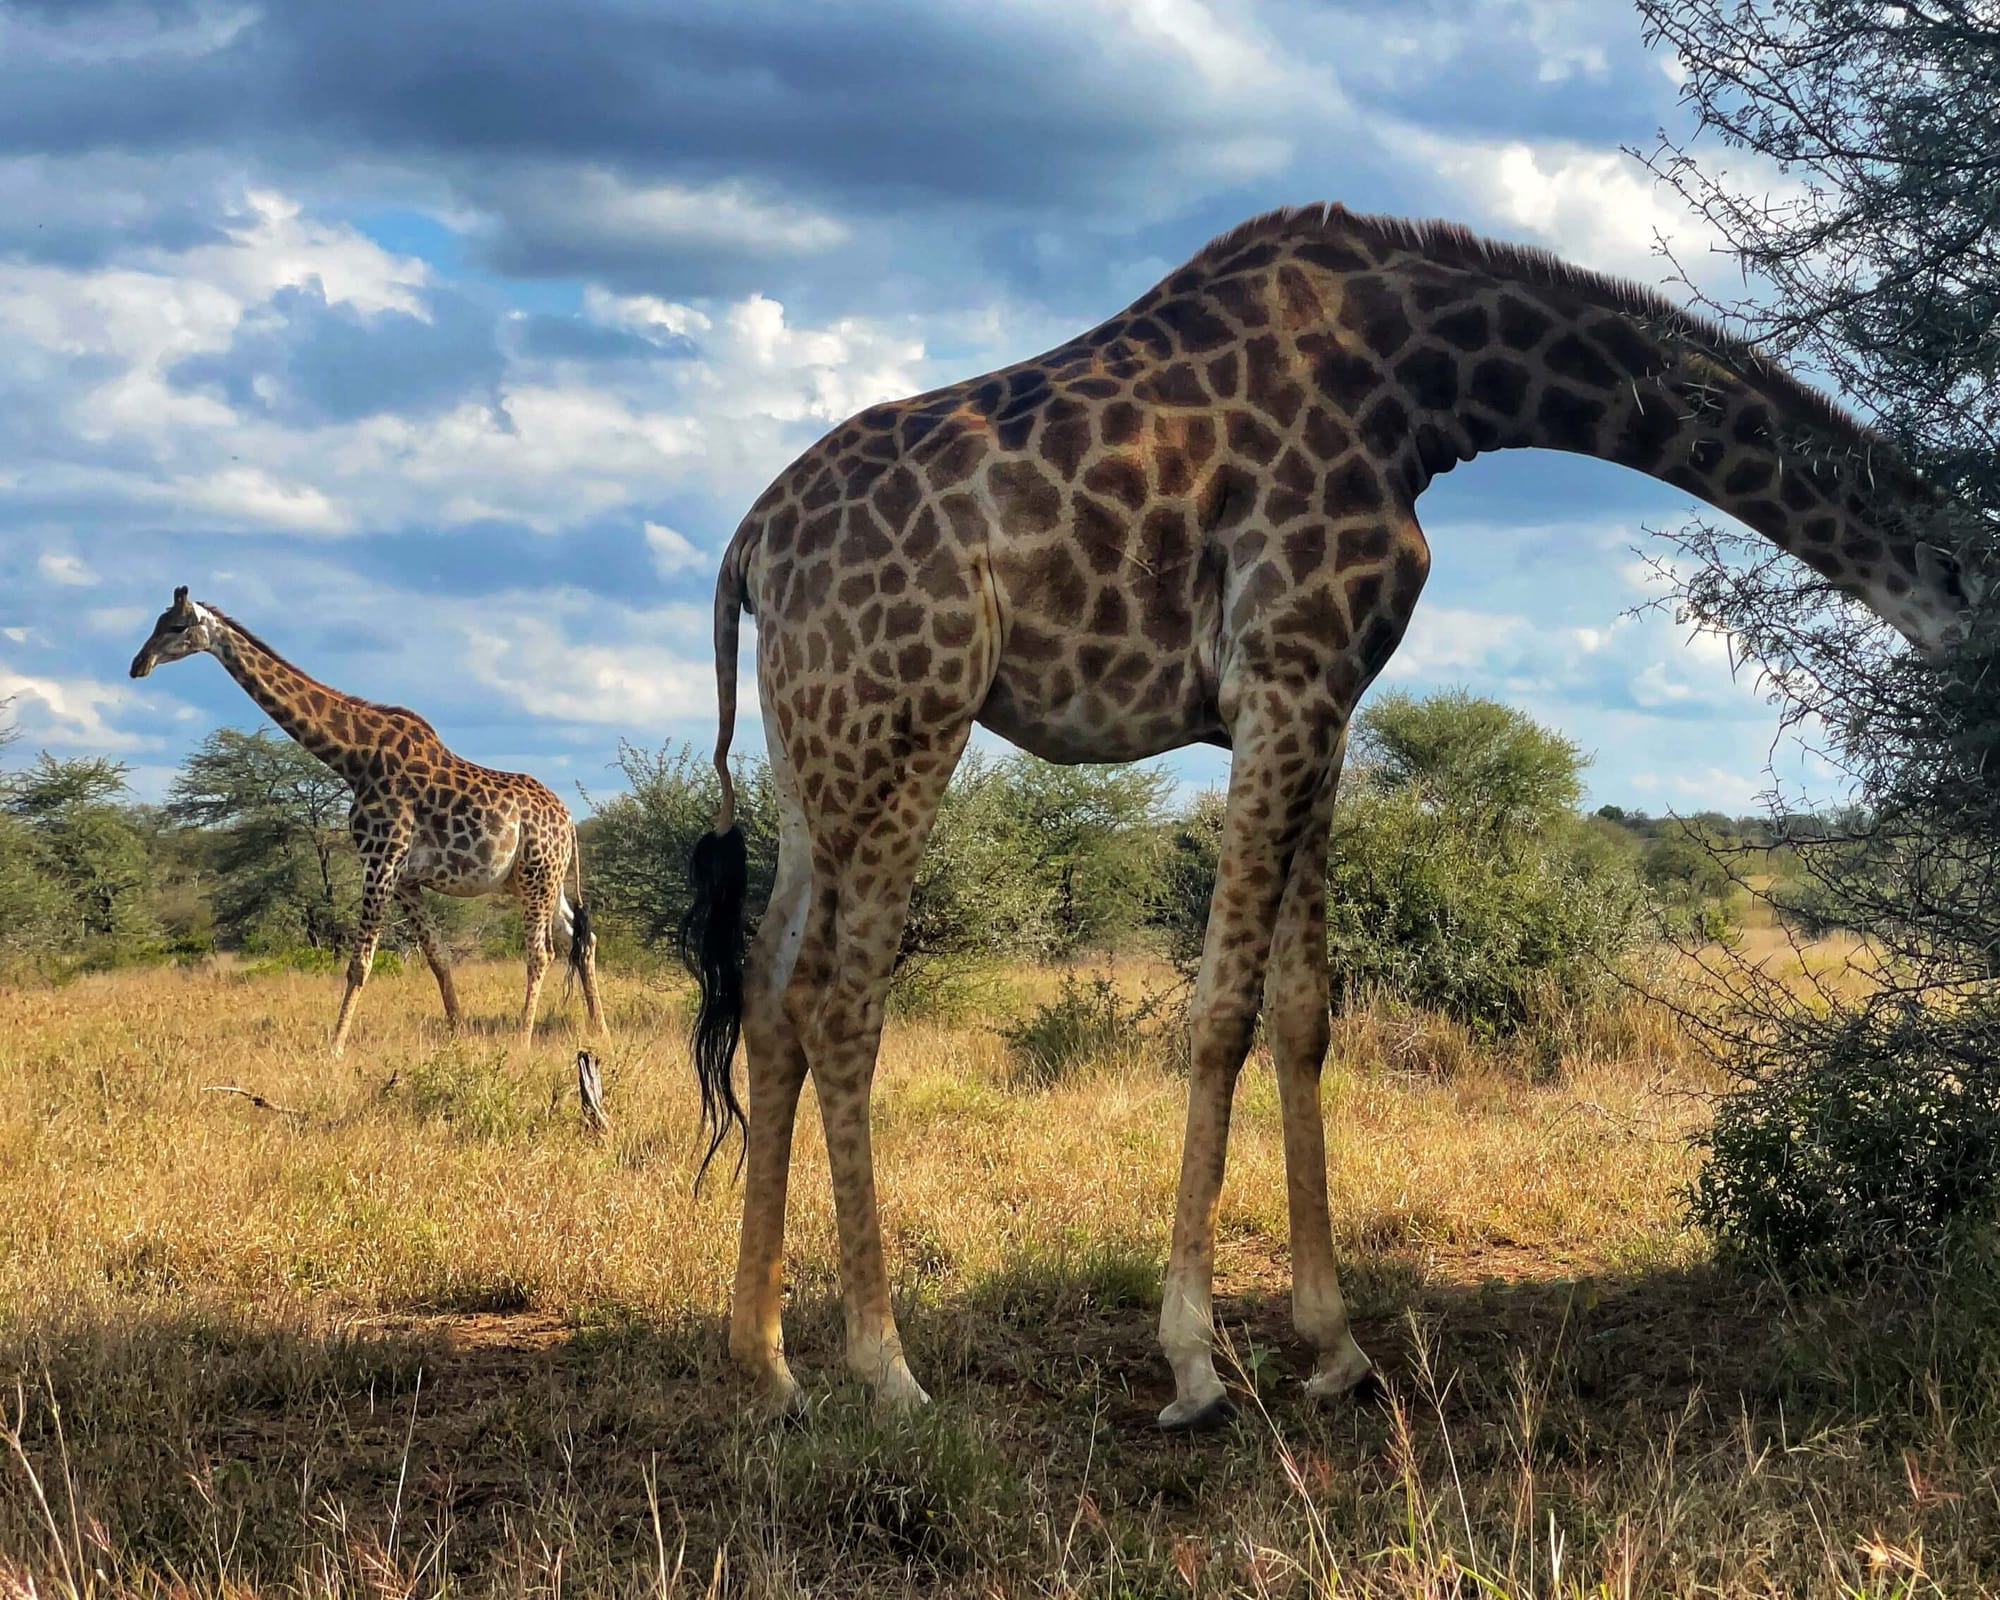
(712, 933)
(582, 938)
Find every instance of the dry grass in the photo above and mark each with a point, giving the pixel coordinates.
(417, 1332)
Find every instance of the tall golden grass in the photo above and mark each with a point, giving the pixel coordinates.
(399, 1325)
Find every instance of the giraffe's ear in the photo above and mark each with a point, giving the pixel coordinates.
(1944, 572)
(181, 595)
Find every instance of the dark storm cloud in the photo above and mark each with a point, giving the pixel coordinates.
(84, 210)
(706, 147)
(303, 361)
(876, 99)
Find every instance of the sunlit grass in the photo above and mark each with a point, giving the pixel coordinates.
(408, 1322)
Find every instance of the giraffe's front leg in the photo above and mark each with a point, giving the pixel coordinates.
(381, 861)
(1276, 771)
(411, 897)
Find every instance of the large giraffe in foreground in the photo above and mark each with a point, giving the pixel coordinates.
(1192, 523)
(422, 818)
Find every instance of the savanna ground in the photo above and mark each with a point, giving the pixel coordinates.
(408, 1328)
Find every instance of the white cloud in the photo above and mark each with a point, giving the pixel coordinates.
(277, 247)
(547, 454)
(146, 319)
(69, 570)
(247, 497)
(822, 374)
(548, 674)
(118, 620)
(69, 711)
(1708, 788)
(673, 552)
(1223, 45)
(564, 209)
(1446, 641)
(1592, 207)
(1560, 33)
(127, 33)
(642, 312)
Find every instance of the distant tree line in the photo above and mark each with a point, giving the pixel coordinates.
(1463, 876)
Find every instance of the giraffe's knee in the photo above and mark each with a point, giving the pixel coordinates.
(1219, 1033)
(1300, 1032)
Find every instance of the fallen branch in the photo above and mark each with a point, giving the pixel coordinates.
(253, 1097)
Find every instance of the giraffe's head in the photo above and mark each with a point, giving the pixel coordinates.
(1933, 614)
(185, 628)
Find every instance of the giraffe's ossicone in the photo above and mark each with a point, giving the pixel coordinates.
(422, 818)
(1194, 522)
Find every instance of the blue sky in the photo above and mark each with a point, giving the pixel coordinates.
(445, 345)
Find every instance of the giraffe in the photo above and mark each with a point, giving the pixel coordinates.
(1194, 522)
(422, 817)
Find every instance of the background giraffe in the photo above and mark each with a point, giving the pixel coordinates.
(1192, 523)
(422, 817)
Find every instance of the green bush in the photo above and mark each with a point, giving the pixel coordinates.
(1492, 930)
(472, 1094)
(76, 865)
(1496, 767)
(1186, 881)
(1025, 860)
(1086, 1025)
(305, 958)
(1872, 1142)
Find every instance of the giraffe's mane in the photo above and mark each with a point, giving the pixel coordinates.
(372, 705)
(1452, 244)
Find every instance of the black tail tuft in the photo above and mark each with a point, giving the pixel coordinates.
(581, 939)
(711, 947)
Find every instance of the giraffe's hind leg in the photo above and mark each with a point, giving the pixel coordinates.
(1296, 1022)
(538, 914)
(583, 962)
(775, 1062)
(411, 897)
(867, 858)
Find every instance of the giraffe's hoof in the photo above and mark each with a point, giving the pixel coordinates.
(898, 1394)
(1199, 1414)
(1341, 1374)
(782, 1402)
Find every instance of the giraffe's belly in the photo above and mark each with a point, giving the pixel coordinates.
(1077, 727)
(463, 868)
(1103, 665)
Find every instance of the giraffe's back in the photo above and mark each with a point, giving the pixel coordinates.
(1168, 496)
(1051, 518)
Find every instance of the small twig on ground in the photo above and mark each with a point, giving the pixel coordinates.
(253, 1097)
(1634, 1126)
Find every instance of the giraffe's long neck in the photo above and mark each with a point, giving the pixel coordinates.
(1514, 365)
(326, 722)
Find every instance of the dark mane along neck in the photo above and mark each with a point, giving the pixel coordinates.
(1453, 245)
(341, 729)
(1438, 345)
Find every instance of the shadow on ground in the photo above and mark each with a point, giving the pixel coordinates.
(479, 1443)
